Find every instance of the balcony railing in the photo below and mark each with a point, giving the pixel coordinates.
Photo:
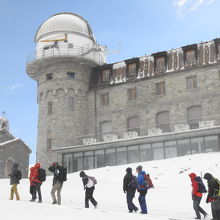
(92, 54)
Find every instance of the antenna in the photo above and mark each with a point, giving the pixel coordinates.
(115, 51)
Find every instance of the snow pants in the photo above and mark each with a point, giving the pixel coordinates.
(89, 196)
(196, 206)
(57, 188)
(215, 205)
(130, 195)
(142, 201)
(37, 190)
(14, 190)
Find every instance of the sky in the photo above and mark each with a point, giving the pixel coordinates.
(129, 28)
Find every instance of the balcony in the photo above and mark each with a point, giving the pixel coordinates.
(92, 54)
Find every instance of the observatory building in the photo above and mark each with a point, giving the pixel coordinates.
(93, 114)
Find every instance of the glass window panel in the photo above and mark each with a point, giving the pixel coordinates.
(121, 155)
(194, 115)
(170, 149)
(134, 124)
(145, 152)
(68, 162)
(197, 145)
(211, 143)
(88, 160)
(163, 121)
(158, 151)
(99, 158)
(183, 147)
(77, 161)
(133, 154)
(106, 129)
(110, 157)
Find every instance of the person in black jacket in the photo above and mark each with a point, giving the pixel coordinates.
(55, 168)
(89, 187)
(15, 176)
(129, 187)
(212, 197)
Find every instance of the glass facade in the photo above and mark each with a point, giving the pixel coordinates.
(137, 153)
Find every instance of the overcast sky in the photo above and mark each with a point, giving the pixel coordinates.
(131, 27)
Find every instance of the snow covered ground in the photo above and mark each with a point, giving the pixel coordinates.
(171, 197)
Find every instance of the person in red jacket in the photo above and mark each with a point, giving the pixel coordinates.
(196, 197)
(35, 181)
(32, 185)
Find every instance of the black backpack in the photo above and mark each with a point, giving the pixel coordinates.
(19, 175)
(62, 175)
(41, 174)
(201, 185)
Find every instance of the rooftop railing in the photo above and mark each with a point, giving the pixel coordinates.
(92, 54)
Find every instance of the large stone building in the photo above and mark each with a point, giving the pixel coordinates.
(12, 150)
(93, 114)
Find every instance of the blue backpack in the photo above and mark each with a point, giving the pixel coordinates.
(202, 187)
(133, 184)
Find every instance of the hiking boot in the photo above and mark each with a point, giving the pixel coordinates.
(130, 211)
(54, 202)
(96, 206)
(197, 218)
(136, 210)
(143, 212)
(39, 202)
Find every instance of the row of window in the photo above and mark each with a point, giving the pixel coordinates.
(194, 116)
(69, 75)
(160, 89)
(138, 153)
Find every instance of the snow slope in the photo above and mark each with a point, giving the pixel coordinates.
(171, 197)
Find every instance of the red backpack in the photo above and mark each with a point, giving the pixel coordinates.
(147, 181)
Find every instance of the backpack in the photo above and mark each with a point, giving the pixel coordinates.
(62, 175)
(148, 182)
(133, 184)
(19, 175)
(41, 174)
(217, 192)
(202, 188)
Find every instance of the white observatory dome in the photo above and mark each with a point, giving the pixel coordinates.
(64, 23)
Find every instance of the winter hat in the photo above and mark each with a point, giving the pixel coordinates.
(82, 174)
(129, 170)
(139, 168)
(208, 176)
(55, 164)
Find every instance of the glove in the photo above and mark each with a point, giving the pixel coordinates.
(208, 200)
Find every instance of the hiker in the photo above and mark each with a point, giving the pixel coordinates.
(197, 191)
(129, 187)
(32, 185)
(213, 195)
(89, 185)
(59, 177)
(15, 176)
(36, 183)
(142, 189)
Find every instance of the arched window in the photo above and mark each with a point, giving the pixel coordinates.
(194, 115)
(163, 121)
(133, 124)
(105, 128)
(50, 108)
(71, 103)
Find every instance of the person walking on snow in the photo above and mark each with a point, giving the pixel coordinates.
(37, 183)
(58, 178)
(15, 176)
(213, 189)
(142, 189)
(89, 187)
(196, 196)
(129, 187)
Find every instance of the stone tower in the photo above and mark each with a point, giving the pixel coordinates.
(66, 52)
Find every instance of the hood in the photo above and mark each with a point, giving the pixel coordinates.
(129, 170)
(82, 174)
(37, 165)
(15, 165)
(142, 172)
(192, 175)
(208, 176)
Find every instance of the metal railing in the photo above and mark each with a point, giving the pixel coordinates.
(92, 54)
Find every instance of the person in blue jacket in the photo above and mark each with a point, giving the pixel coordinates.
(142, 189)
